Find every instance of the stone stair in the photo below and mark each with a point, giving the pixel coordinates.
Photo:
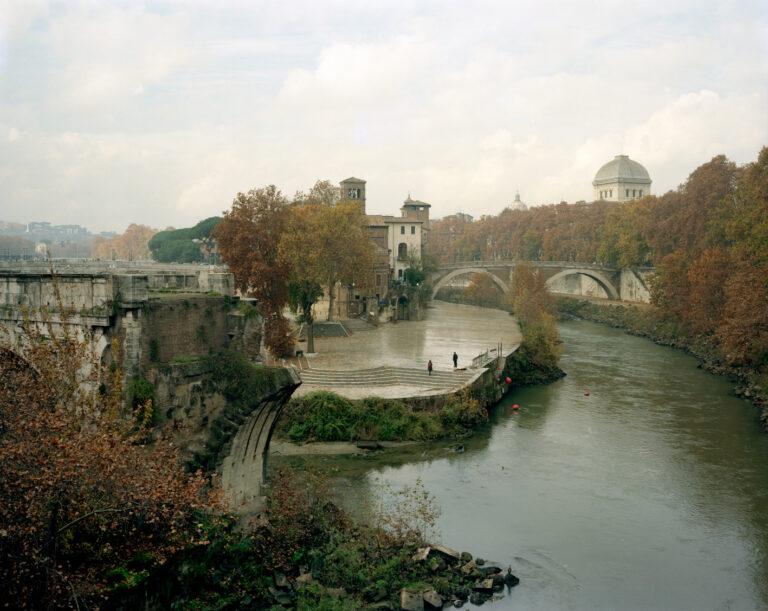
(389, 376)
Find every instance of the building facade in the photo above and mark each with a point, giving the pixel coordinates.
(621, 179)
(399, 241)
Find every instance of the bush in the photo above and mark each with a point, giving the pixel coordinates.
(141, 397)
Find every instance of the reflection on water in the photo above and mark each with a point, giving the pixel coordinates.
(650, 493)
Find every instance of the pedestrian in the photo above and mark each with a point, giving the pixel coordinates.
(455, 360)
(429, 367)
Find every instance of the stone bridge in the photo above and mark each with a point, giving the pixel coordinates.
(566, 277)
(166, 319)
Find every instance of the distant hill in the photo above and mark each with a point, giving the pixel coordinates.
(183, 245)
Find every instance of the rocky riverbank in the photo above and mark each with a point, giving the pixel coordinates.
(644, 321)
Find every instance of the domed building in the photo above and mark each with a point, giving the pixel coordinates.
(517, 204)
(621, 179)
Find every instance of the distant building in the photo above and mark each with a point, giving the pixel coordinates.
(517, 204)
(621, 179)
(399, 241)
(460, 217)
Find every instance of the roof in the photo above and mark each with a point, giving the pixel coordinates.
(378, 220)
(622, 169)
(415, 202)
(353, 179)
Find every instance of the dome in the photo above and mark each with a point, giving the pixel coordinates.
(517, 204)
(622, 169)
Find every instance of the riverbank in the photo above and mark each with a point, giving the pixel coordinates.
(644, 321)
(304, 552)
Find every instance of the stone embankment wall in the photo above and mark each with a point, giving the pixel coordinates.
(489, 386)
(189, 326)
(219, 434)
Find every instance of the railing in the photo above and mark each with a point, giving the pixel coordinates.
(507, 263)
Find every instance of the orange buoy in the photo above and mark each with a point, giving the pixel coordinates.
(515, 406)
(586, 393)
(509, 380)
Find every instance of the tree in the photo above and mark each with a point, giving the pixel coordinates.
(331, 245)
(249, 241)
(323, 193)
(183, 245)
(80, 491)
(482, 291)
(529, 295)
(133, 244)
(413, 276)
(621, 239)
(532, 306)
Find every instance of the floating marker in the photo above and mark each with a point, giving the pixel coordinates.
(509, 380)
(586, 393)
(515, 406)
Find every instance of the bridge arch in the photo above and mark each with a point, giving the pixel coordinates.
(601, 280)
(445, 280)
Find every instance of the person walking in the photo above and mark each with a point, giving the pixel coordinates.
(429, 367)
(455, 360)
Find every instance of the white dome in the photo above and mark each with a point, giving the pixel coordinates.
(622, 169)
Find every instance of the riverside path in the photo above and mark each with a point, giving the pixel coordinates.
(391, 360)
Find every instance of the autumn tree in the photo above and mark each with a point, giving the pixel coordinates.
(482, 291)
(133, 244)
(322, 193)
(249, 240)
(333, 245)
(532, 306)
(324, 246)
(621, 236)
(80, 491)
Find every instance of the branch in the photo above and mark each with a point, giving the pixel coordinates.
(87, 515)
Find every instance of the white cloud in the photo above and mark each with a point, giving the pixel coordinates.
(125, 115)
(107, 56)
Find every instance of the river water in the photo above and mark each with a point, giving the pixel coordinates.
(650, 493)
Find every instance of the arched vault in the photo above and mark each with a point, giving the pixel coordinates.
(445, 280)
(604, 282)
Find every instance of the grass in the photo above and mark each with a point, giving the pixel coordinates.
(326, 416)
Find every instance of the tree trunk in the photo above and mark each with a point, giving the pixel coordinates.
(331, 298)
(310, 322)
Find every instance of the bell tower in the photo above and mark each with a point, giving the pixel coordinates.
(353, 189)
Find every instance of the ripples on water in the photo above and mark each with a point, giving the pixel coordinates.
(650, 493)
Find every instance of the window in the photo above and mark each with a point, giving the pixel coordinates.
(611, 193)
(640, 193)
(627, 195)
(402, 228)
(353, 193)
(413, 229)
(601, 195)
(633, 192)
(400, 273)
(402, 250)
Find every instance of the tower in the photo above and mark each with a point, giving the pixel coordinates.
(354, 189)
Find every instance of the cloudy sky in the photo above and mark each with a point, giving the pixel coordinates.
(160, 112)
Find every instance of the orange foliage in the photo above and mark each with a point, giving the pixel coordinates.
(133, 244)
(80, 492)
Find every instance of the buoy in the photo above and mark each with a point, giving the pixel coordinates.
(509, 380)
(586, 393)
(515, 406)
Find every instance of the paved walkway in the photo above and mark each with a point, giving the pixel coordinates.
(391, 360)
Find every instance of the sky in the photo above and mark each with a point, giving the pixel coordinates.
(159, 113)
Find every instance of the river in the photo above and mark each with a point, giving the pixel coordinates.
(649, 493)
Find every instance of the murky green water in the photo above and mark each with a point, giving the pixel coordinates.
(650, 493)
